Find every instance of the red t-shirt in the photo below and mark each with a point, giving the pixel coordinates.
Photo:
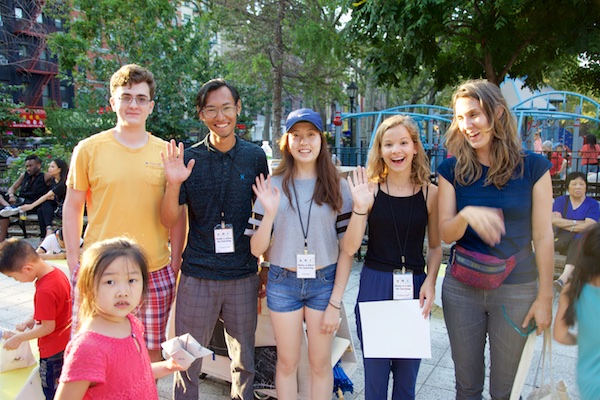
(557, 161)
(589, 154)
(52, 302)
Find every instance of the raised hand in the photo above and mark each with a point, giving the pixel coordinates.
(487, 222)
(268, 195)
(175, 170)
(361, 189)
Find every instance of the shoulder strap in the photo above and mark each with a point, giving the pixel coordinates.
(566, 206)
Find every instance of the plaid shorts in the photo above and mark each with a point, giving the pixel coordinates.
(154, 310)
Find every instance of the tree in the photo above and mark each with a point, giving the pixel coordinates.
(469, 39)
(8, 108)
(108, 34)
(584, 73)
(288, 48)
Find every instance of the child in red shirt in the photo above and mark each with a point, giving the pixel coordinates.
(51, 320)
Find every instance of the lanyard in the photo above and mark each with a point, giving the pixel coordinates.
(412, 201)
(304, 233)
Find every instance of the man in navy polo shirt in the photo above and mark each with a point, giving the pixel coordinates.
(214, 179)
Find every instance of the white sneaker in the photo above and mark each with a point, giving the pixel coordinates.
(9, 211)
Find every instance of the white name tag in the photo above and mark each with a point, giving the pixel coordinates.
(224, 239)
(403, 286)
(306, 266)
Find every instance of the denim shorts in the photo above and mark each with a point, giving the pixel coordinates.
(286, 293)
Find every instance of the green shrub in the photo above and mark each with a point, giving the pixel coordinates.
(46, 154)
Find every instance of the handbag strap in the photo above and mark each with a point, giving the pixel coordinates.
(523, 369)
(564, 214)
(546, 349)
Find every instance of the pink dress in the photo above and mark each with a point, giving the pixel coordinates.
(119, 369)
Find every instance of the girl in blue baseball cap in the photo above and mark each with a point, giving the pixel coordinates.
(309, 238)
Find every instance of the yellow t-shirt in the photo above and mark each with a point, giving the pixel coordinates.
(124, 189)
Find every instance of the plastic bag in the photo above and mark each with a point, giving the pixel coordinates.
(21, 357)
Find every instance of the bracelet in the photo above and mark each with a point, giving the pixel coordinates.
(340, 286)
(573, 226)
(334, 306)
(359, 213)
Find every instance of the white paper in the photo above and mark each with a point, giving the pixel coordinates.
(184, 350)
(394, 329)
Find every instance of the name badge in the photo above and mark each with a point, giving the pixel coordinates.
(306, 266)
(224, 238)
(403, 285)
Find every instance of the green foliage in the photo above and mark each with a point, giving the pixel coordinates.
(8, 107)
(68, 127)
(46, 154)
(314, 57)
(461, 39)
(108, 34)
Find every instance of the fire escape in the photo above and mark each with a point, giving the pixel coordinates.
(34, 63)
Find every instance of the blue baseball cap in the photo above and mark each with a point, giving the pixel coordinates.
(304, 115)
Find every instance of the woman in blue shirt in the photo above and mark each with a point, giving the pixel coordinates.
(575, 213)
(485, 198)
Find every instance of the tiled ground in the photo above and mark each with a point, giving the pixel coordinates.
(436, 375)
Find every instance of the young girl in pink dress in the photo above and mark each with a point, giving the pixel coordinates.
(107, 358)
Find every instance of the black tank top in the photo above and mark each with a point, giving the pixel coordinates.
(383, 253)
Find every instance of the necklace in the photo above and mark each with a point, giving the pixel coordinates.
(393, 185)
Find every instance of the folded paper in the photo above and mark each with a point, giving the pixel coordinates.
(184, 350)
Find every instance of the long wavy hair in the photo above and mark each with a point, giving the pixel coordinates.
(377, 170)
(327, 188)
(587, 269)
(96, 260)
(506, 153)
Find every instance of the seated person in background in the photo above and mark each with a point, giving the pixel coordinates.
(48, 203)
(32, 184)
(559, 163)
(574, 213)
(53, 247)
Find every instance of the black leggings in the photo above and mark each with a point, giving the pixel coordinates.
(45, 212)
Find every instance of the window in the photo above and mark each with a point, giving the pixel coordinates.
(22, 51)
(1, 23)
(18, 13)
(40, 18)
(46, 96)
(58, 23)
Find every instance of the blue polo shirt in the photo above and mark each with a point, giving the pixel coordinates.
(220, 182)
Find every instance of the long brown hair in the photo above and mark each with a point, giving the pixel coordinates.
(377, 170)
(506, 153)
(96, 260)
(587, 269)
(327, 188)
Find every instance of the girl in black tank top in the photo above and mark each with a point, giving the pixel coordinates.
(403, 209)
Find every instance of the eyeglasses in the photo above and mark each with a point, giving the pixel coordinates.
(229, 111)
(128, 99)
(529, 330)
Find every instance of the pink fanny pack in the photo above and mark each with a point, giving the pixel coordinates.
(483, 271)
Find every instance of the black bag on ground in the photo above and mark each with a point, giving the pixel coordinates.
(563, 240)
(217, 341)
(265, 361)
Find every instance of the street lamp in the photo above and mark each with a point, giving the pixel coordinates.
(352, 91)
